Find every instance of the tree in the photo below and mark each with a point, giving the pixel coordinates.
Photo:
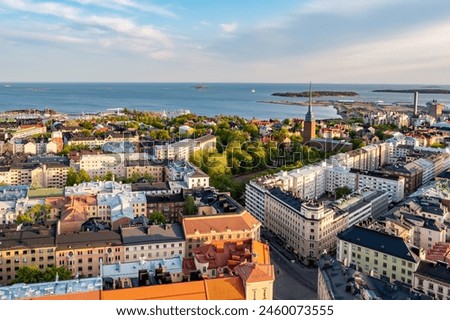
(252, 129)
(191, 208)
(342, 191)
(38, 212)
(157, 217)
(71, 177)
(83, 176)
(51, 272)
(438, 145)
(32, 274)
(74, 177)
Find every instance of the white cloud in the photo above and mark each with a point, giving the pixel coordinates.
(343, 7)
(229, 27)
(115, 31)
(123, 4)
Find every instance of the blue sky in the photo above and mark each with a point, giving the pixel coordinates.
(343, 41)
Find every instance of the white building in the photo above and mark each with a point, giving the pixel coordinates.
(255, 195)
(123, 274)
(188, 175)
(153, 242)
(309, 182)
(96, 187)
(117, 206)
(428, 169)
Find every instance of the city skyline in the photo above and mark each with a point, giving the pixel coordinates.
(325, 41)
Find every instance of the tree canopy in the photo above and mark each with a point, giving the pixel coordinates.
(157, 217)
(32, 274)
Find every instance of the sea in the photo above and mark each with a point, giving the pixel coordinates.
(209, 99)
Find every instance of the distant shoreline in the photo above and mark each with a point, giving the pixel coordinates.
(422, 91)
(305, 94)
(296, 103)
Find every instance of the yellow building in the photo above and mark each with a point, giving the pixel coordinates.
(377, 253)
(25, 246)
(82, 253)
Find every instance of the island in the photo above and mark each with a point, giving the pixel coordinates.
(200, 87)
(423, 91)
(305, 94)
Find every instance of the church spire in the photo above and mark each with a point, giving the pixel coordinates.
(309, 115)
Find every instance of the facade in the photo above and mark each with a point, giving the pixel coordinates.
(25, 246)
(307, 228)
(255, 195)
(152, 242)
(173, 206)
(382, 255)
(83, 253)
(120, 208)
(48, 175)
(394, 186)
(412, 173)
(155, 169)
(434, 279)
(339, 282)
(187, 175)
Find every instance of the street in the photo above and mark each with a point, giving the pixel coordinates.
(293, 281)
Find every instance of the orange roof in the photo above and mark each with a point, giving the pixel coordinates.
(439, 252)
(194, 290)
(56, 202)
(230, 288)
(221, 253)
(262, 252)
(253, 272)
(219, 223)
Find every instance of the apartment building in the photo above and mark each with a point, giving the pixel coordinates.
(394, 186)
(204, 229)
(433, 278)
(101, 164)
(308, 228)
(186, 175)
(98, 141)
(173, 206)
(83, 253)
(412, 172)
(97, 187)
(29, 130)
(255, 194)
(155, 169)
(183, 149)
(332, 275)
(377, 253)
(150, 242)
(120, 208)
(25, 246)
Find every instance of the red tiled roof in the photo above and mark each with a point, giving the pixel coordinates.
(219, 223)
